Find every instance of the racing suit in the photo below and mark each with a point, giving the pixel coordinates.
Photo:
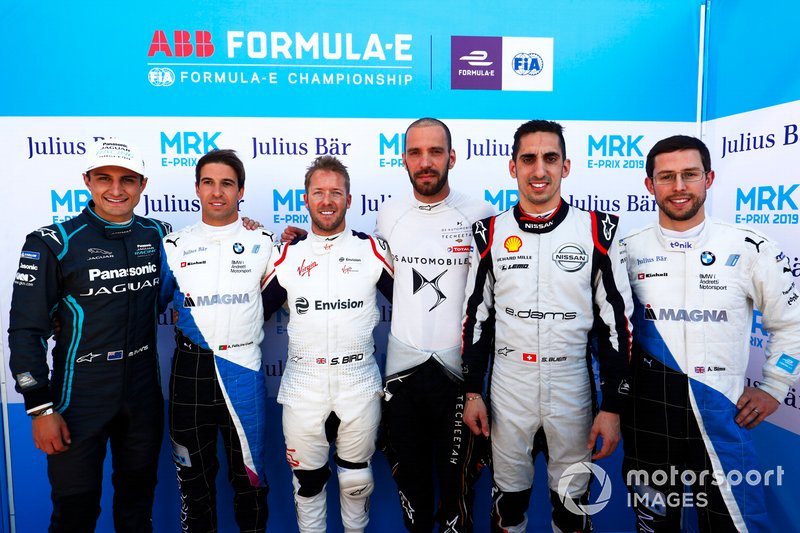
(213, 276)
(99, 280)
(548, 282)
(329, 284)
(424, 404)
(694, 299)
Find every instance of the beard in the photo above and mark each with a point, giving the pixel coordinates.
(325, 226)
(429, 189)
(687, 213)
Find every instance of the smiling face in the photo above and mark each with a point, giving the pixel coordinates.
(428, 160)
(680, 204)
(219, 193)
(539, 168)
(115, 192)
(327, 201)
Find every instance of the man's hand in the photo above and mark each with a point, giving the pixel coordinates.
(475, 416)
(50, 434)
(754, 407)
(606, 425)
(250, 224)
(290, 233)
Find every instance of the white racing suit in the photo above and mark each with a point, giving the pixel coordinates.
(329, 285)
(549, 284)
(693, 316)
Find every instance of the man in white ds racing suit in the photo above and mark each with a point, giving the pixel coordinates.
(329, 280)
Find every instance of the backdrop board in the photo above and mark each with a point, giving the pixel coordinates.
(284, 82)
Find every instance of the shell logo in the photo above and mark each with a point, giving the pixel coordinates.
(513, 244)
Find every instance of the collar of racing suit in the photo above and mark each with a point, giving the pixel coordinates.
(220, 233)
(541, 225)
(110, 229)
(324, 244)
(677, 243)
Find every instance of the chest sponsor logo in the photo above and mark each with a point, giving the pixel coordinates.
(335, 305)
(681, 245)
(512, 244)
(707, 258)
(305, 269)
(116, 273)
(215, 299)
(185, 264)
(711, 282)
(238, 248)
(239, 267)
(26, 266)
(514, 266)
(645, 260)
(23, 278)
(98, 253)
(685, 315)
(144, 249)
(459, 249)
(648, 275)
(301, 306)
(541, 315)
(121, 287)
(192, 250)
(420, 282)
(504, 351)
(570, 257)
(34, 256)
(732, 260)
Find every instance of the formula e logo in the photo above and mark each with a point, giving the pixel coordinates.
(529, 64)
(707, 258)
(477, 58)
(301, 306)
(161, 77)
(421, 282)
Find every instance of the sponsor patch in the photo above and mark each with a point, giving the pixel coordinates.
(25, 380)
(180, 454)
(785, 362)
(29, 255)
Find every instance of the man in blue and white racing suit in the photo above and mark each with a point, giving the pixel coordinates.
(329, 280)
(695, 282)
(213, 273)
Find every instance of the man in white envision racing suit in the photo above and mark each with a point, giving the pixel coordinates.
(695, 281)
(213, 273)
(548, 274)
(329, 280)
(430, 237)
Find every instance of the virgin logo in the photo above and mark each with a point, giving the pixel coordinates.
(304, 269)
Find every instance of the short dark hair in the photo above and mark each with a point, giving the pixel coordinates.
(225, 157)
(535, 126)
(328, 162)
(428, 121)
(677, 143)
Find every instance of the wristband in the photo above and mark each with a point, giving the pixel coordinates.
(476, 397)
(44, 412)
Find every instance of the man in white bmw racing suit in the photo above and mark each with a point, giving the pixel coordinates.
(549, 276)
(213, 273)
(695, 281)
(329, 280)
